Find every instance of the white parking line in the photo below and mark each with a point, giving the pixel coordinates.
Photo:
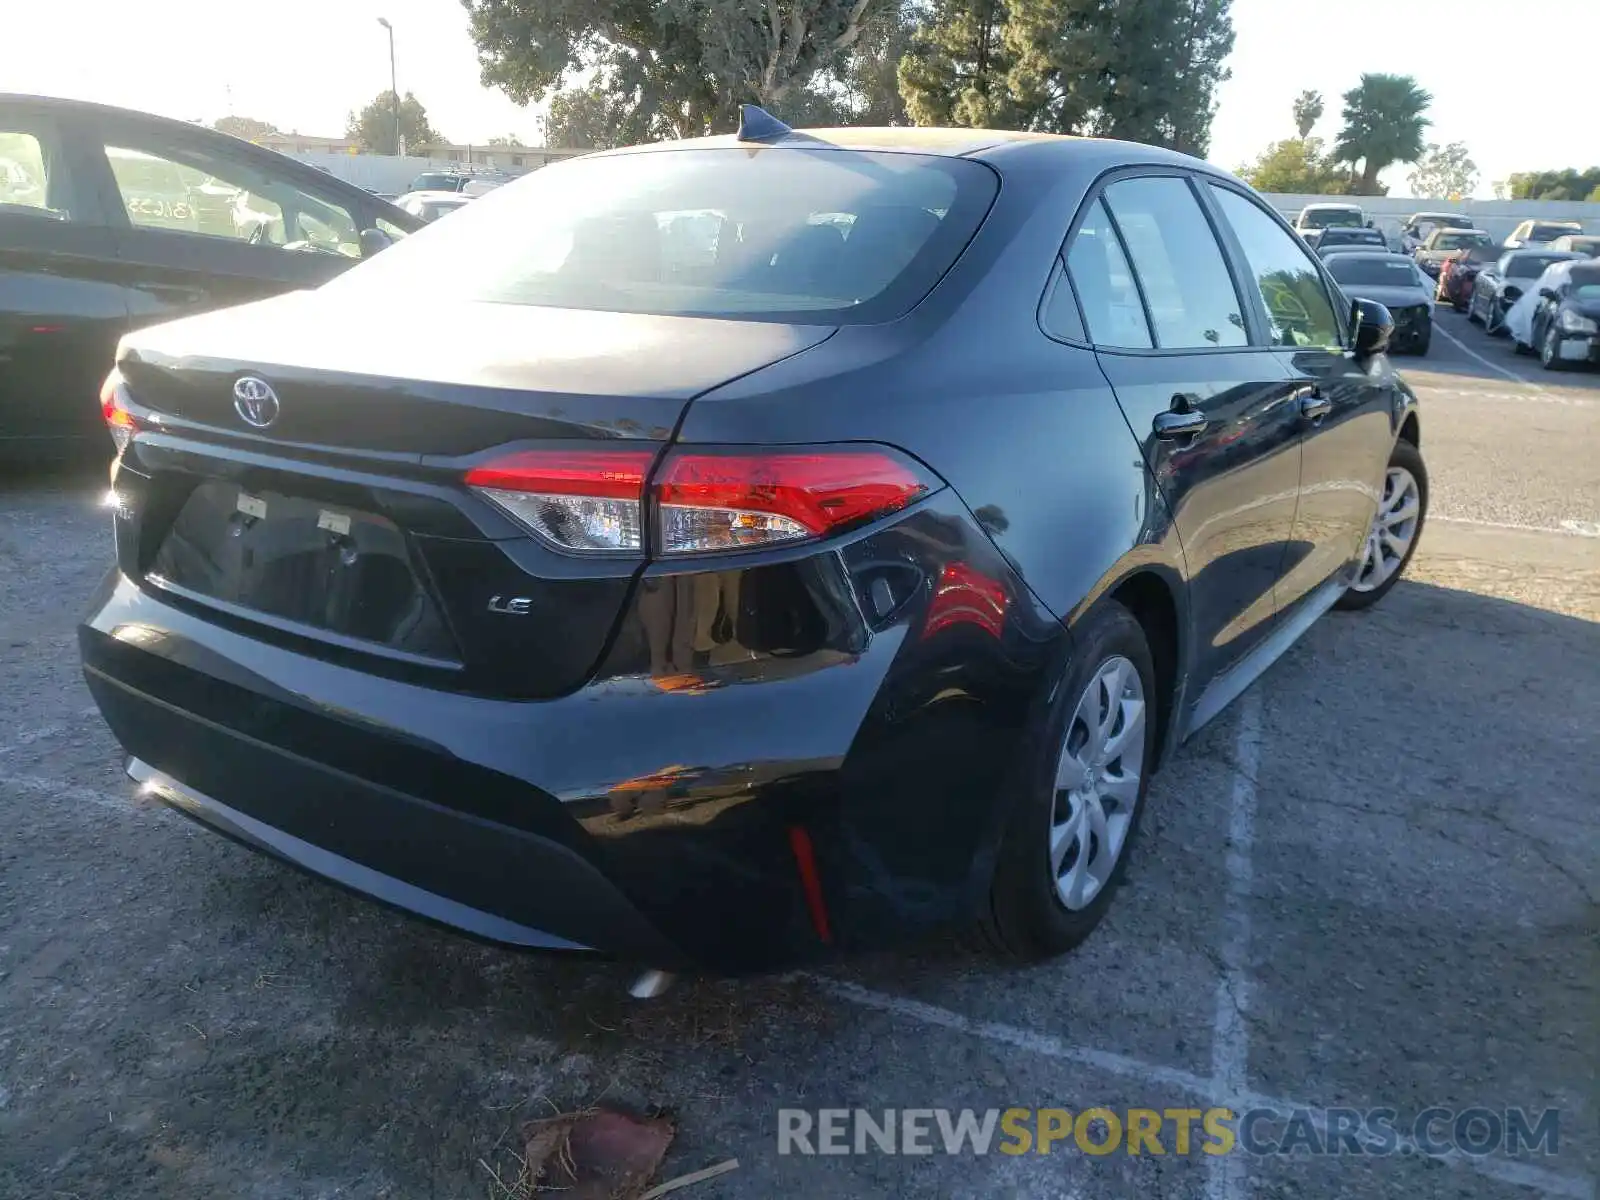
(1588, 529)
(1493, 366)
(1512, 1171)
(1230, 1040)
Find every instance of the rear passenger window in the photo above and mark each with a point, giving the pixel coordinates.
(1185, 278)
(1104, 283)
(30, 164)
(1299, 310)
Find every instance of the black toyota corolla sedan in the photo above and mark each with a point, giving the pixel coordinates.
(727, 552)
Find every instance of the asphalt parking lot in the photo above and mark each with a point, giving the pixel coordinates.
(1371, 883)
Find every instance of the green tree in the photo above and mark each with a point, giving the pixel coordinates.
(247, 128)
(956, 70)
(1146, 70)
(1307, 112)
(1384, 117)
(1569, 184)
(1296, 166)
(669, 67)
(1444, 172)
(373, 126)
(585, 118)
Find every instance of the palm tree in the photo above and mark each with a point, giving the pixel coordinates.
(1383, 123)
(1307, 111)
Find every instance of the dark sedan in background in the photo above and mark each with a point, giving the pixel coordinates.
(1444, 243)
(1339, 237)
(1459, 272)
(1566, 325)
(110, 220)
(842, 575)
(1499, 284)
(1394, 281)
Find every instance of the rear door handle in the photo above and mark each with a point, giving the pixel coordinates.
(1314, 405)
(1179, 424)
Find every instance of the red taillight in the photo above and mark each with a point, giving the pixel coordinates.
(703, 500)
(731, 500)
(113, 407)
(585, 500)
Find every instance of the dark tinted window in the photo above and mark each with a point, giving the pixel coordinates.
(434, 181)
(1323, 218)
(778, 234)
(1299, 308)
(1530, 266)
(1458, 241)
(1374, 272)
(1105, 286)
(1548, 233)
(1180, 267)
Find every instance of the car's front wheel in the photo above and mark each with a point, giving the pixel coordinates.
(1396, 528)
(1550, 349)
(1068, 840)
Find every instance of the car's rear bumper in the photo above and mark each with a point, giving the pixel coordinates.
(651, 814)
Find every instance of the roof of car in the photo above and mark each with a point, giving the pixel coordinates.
(1344, 207)
(436, 196)
(1380, 255)
(1433, 216)
(1014, 147)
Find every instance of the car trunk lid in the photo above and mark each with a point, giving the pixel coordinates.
(337, 517)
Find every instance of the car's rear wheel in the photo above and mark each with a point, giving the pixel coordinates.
(1396, 528)
(1067, 844)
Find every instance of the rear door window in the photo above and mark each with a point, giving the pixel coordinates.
(1103, 280)
(202, 192)
(1180, 266)
(1300, 311)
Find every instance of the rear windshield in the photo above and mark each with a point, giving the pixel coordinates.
(1373, 272)
(1548, 233)
(1484, 252)
(758, 233)
(434, 183)
(1460, 241)
(1322, 218)
(1585, 245)
(1529, 266)
(1357, 236)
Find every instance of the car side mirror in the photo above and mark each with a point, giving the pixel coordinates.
(374, 240)
(1374, 327)
(1549, 294)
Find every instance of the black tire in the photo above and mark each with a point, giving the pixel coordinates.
(1550, 350)
(1420, 346)
(1409, 457)
(1518, 348)
(1025, 919)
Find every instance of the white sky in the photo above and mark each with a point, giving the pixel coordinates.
(304, 64)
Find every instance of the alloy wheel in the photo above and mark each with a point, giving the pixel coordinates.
(1394, 528)
(1097, 782)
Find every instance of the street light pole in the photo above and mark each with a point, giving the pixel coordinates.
(394, 90)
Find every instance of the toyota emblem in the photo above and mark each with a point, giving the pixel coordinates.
(255, 401)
